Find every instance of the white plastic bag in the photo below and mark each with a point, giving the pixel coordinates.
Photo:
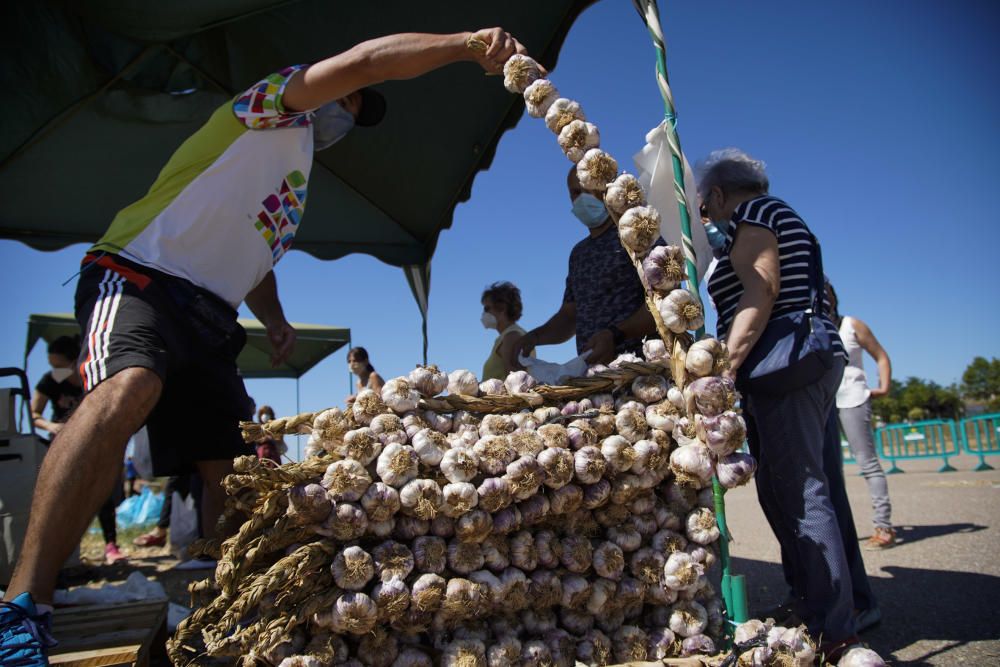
(547, 372)
(183, 524)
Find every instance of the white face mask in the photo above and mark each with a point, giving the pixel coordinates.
(489, 320)
(61, 374)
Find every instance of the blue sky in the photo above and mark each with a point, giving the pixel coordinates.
(878, 122)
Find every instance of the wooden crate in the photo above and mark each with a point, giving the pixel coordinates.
(109, 634)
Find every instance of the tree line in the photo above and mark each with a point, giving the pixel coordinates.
(915, 399)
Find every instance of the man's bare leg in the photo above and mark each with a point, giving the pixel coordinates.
(213, 497)
(78, 472)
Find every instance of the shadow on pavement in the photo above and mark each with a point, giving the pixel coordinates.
(911, 534)
(944, 610)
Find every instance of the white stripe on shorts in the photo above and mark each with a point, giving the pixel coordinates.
(102, 320)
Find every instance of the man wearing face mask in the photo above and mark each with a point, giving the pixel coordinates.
(158, 294)
(604, 303)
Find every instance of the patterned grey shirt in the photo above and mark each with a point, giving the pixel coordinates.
(603, 284)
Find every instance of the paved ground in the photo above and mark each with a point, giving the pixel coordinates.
(937, 588)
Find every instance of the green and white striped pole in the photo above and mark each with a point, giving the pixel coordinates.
(733, 586)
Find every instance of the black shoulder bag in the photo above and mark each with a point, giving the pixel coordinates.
(795, 350)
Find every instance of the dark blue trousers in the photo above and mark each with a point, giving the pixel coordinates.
(788, 435)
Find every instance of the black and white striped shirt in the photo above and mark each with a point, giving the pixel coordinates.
(795, 246)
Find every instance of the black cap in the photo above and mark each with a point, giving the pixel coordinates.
(372, 108)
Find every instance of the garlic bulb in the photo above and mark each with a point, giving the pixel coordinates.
(523, 554)
(668, 541)
(597, 494)
(553, 435)
(393, 559)
(680, 311)
(525, 476)
(577, 622)
(441, 525)
(581, 434)
(545, 588)
(655, 350)
(412, 657)
(650, 388)
(681, 573)
(495, 452)
(706, 357)
(430, 554)
(308, 503)
(792, 640)
(710, 396)
(519, 72)
(410, 527)
(629, 644)
(566, 499)
(460, 465)
(660, 644)
(861, 657)
(692, 465)
(577, 138)
(536, 653)
(464, 437)
(609, 560)
(361, 444)
(516, 588)
(399, 395)
(496, 425)
(576, 592)
(346, 480)
(645, 524)
(381, 502)
(577, 554)
(630, 591)
(688, 618)
(473, 526)
(490, 589)
(352, 568)
(624, 193)
(639, 228)
(465, 557)
(686, 432)
(631, 424)
(619, 453)
(646, 565)
(558, 466)
(699, 644)
(663, 269)
(589, 464)
(594, 648)
(413, 423)
(428, 592)
(300, 661)
(458, 498)
(662, 416)
(625, 536)
(614, 515)
(428, 380)
(701, 526)
(493, 494)
(421, 498)
(492, 387)
(649, 456)
(519, 382)
(507, 520)
(392, 598)
(561, 113)
(735, 469)
(526, 442)
(430, 446)
(463, 382)
(676, 396)
(464, 652)
(549, 549)
(496, 553)
(367, 405)
(596, 170)
(723, 434)
(534, 509)
(440, 423)
(354, 613)
(397, 465)
(539, 96)
(505, 652)
(546, 414)
(602, 596)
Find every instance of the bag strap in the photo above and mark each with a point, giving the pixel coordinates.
(817, 287)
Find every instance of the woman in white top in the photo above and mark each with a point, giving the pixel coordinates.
(501, 310)
(854, 406)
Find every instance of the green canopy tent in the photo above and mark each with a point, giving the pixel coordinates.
(313, 344)
(100, 92)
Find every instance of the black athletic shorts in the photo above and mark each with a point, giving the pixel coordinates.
(133, 316)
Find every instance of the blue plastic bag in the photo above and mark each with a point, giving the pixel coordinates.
(141, 510)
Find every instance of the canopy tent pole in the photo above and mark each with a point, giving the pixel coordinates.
(733, 586)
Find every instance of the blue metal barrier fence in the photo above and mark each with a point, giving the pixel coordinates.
(981, 437)
(934, 438)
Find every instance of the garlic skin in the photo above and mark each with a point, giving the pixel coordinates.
(428, 591)
(460, 465)
(381, 502)
(539, 96)
(421, 498)
(561, 113)
(667, 541)
(473, 526)
(519, 382)
(346, 480)
(392, 598)
(597, 494)
(494, 452)
(698, 644)
(352, 568)
(463, 382)
(596, 169)
(367, 405)
(577, 554)
(492, 387)
(553, 435)
(723, 434)
(393, 559)
(566, 499)
(631, 424)
(464, 653)
(430, 554)
(412, 657)
(428, 380)
(655, 350)
(465, 557)
(354, 613)
(629, 644)
(663, 269)
(519, 72)
(524, 476)
(493, 494)
(639, 227)
(505, 652)
(558, 464)
(692, 465)
(662, 416)
(589, 464)
(523, 553)
(681, 572)
(735, 470)
(496, 553)
(709, 396)
(701, 526)
(609, 561)
(400, 396)
(619, 453)
(594, 648)
(526, 442)
(706, 357)
(680, 311)
(430, 446)
(308, 503)
(362, 444)
(577, 138)
(861, 657)
(458, 498)
(624, 193)
(397, 465)
(688, 619)
(650, 388)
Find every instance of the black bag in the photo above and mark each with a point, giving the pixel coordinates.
(795, 350)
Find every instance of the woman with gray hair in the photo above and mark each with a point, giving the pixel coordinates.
(768, 269)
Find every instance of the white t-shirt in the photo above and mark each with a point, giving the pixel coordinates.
(853, 389)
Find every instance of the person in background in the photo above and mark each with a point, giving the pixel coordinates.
(131, 478)
(269, 448)
(361, 366)
(604, 302)
(184, 485)
(766, 269)
(63, 388)
(854, 408)
(501, 310)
